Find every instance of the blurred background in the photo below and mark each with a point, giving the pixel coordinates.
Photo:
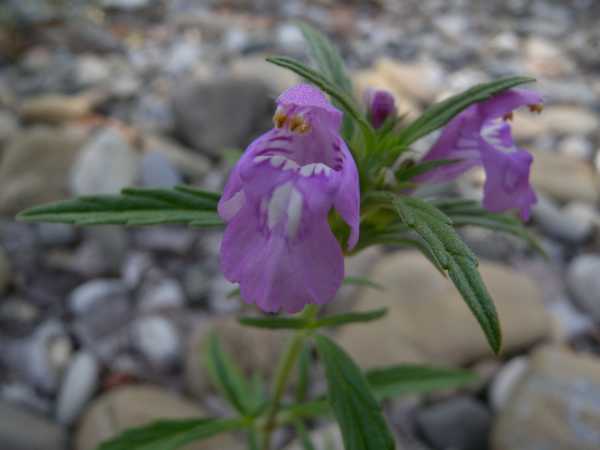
(102, 328)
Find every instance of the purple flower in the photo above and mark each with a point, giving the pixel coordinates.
(380, 105)
(481, 135)
(278, 244)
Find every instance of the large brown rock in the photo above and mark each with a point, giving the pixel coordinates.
(134, 406)
(429, 322)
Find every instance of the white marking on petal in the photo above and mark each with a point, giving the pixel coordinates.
(290, 165)
(307, 170)
(230, 208)
(277, 160)
(260, 159)
(315, 169)
(294, 213)
(277, 204)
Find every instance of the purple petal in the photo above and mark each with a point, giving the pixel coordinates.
(380, 105)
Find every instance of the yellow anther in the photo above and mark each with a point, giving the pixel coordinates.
(509, 116)
(299, 125)
(538, 108)
(279, 119)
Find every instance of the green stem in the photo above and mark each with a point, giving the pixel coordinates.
(284, 369)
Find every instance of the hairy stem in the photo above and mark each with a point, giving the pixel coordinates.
(284, 369)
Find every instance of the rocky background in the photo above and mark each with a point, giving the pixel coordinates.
(102, 328)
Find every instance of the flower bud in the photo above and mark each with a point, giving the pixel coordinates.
(380, 106)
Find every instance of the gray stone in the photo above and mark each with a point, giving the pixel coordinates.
(506, 380)
(196, 283)
(106, 165)
(459, 423)
(565, 224)
(135, 267)
(157, 171)
(58, 234)
(24, 395)
(21, 430)
(34, 168)
(8, 127)
(555, 406)
(89, 295)
(134, 406)
(232, 112)
(17, 317)
(166, 239)
(156, 338)
(165, 293)
(78, 386)
(577, 147)
(584, 283)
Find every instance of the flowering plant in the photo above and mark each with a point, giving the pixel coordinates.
(330, 179)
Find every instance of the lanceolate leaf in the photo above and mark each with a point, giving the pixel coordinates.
(436, 230)
(411, 378)
(298, 323)
(352, 317)
(181, 205)
(357, 411)
(362, 281)
(170, 435)
(468, 212)
(440, 114)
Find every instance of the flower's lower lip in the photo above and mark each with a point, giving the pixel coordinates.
(285, 164)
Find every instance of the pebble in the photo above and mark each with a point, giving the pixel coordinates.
(584, 283)
(22, 430)
(56, 234)
(88, 296)
(567, 224)
(78, 386)
(56, 109)
(17, 317)
(506, 381)
(162, 294)
(459, 423)
(105, 165)
(133, 406)
(157, 340)
(555, 405)
(5, 271)
(157, 171)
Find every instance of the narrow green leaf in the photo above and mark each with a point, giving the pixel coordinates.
(352, 317)
(182, 205)
(363, 281)
(227, 377)
(357, 411)
(435, 228)
(303, 374)
(410, 378)
(276, 322)
(344, 100)
(441, 113)
(170, 435)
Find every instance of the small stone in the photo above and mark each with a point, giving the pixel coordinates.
(569, 321)
(545, 58)
(289, 37)
(135, 267)
(56, 234)
(21, 430)
(506, 381)
(576, 147)
(17, 317)
(564, 178)
(91, 70)
(567, 224)
(554, 406)
(78, 386)
(421, 80)
(196, 283)
(8, 127)
(163, 294)
(166, 239)
(185, 160)
(24, 395)
(254, 350)
(232, 112)
(584, 283)
(133, 406)
(34, 168)
(459, 423)
(57, 109)
(89, 295)
(157, 171)
(257, 67)
(157, 339)
(105, 165)
(569, 120)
